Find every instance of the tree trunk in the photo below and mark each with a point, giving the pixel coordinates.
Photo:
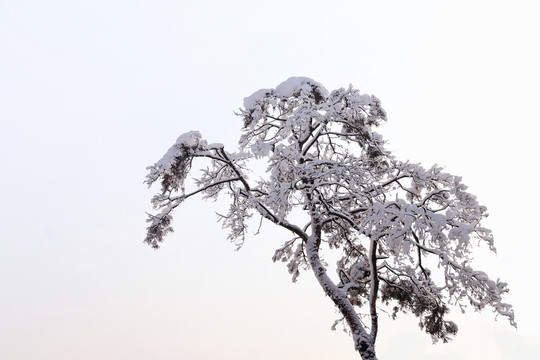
(363, 342)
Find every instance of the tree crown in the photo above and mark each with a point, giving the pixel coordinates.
(405, 232)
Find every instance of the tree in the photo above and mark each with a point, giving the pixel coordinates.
(404, 233)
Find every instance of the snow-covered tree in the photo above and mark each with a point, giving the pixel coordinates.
(404, 233)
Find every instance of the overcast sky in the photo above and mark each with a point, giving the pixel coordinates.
(92, 92)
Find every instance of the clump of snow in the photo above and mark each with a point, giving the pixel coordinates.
(303, 85)
(185, 144)
(296, 85)
(216, 146)
(360, 99)
(251, 101)
(190, 139)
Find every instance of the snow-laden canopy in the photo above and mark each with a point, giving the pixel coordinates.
(405, 233)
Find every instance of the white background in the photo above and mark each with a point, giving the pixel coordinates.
(92, 92)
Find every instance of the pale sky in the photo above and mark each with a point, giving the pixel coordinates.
(92, 92)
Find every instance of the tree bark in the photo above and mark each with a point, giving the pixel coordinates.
(374, 289)
(363, 342)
